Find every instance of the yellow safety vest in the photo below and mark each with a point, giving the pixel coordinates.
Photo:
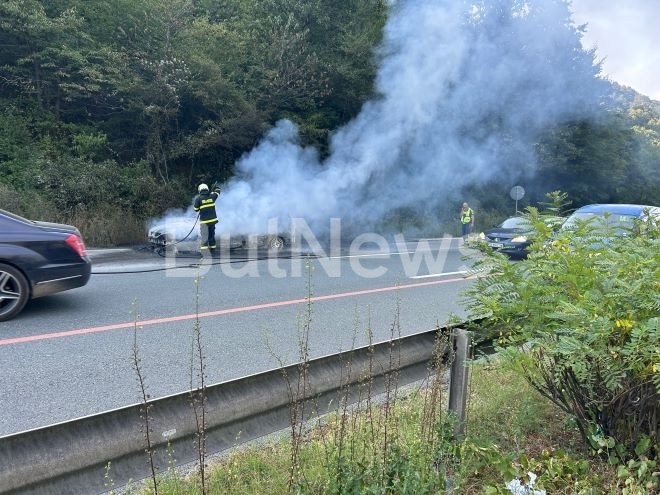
(466, 215)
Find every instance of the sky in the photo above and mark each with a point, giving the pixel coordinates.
(625, 34)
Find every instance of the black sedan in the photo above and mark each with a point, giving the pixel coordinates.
(511, 237)
(38, 259)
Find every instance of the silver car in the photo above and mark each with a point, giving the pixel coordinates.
(182, 234)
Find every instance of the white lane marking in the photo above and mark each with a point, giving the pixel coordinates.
(369, 255)
(462, 272)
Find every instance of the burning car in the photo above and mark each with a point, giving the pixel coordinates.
(182, 234)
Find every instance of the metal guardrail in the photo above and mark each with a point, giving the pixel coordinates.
(73, 457)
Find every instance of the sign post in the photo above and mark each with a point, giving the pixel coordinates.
(517, 193)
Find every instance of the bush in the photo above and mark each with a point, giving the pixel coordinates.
(586, 310)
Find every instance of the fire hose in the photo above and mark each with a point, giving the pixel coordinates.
(190, 232)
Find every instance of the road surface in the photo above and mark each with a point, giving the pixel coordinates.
(72, 354)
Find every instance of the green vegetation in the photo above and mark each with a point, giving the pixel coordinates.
(581, 318)
(111, 109)
(405, 445)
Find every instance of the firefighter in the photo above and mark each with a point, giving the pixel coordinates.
(204, 204)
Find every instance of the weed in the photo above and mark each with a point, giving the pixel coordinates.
(402, 441)
(109, 483)
(145, 406)
(198, 391)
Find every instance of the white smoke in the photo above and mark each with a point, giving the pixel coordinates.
(463, 87)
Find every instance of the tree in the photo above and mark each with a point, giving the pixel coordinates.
(588, 160)
(47, 54)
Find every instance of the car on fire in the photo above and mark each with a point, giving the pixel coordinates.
(182, 234)
(38, 259)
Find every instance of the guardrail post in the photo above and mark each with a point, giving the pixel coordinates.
(461, 343)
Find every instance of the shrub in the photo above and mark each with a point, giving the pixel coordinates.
(586, 309)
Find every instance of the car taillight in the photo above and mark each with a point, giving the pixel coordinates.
(76, 243)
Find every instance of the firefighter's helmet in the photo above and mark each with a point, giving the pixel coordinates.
(202, 187)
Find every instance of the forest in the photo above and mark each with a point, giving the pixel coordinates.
(112, 111)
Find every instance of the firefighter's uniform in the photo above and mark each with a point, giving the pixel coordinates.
(204, 204)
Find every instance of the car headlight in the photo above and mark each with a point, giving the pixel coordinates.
(520, 238)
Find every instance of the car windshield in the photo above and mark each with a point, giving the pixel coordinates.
(607, 221)
(515, 223)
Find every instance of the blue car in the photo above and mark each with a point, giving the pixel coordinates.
(621, 218)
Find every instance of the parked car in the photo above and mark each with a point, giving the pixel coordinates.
(38, 259)
(619, 217)
(605, 222)
(511, 237)
(515, 234)
(182, 234)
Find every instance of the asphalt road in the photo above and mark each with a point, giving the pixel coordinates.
(72, 354)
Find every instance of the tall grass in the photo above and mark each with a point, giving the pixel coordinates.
(198, 396)
(109, 227)
(509, 429)
(146, 406)
(101, 226)
(402, 441)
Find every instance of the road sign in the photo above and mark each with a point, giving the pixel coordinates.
(517, 193)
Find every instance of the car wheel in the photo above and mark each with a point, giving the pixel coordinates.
(276, 243)
(14, 291)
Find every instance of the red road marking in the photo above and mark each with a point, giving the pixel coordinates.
(220, 312)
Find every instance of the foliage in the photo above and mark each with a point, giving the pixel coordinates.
(586, 309)
(92, 91)
(188, 86)
(639, 476)
(347, 452)
(573, 157)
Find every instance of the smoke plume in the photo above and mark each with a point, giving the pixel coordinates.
(463, 90)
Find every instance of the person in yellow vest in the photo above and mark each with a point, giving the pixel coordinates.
(204, 203)
(467, 221)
